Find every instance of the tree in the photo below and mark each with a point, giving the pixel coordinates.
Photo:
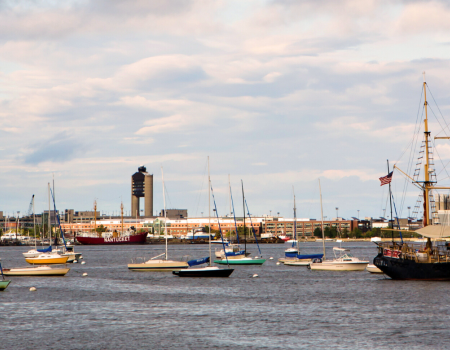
(356, 233)
(345, 233)
(100, 229)
(318, 232)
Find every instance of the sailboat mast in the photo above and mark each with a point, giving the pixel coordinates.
(34, 225)
(390, 202)
(229, 187)
(243, 205)
(165, 213)
(95, 215)
(295, 223)
(426, 214)
(121, 215)
(209, 214)
(321, 213)
(48, 219)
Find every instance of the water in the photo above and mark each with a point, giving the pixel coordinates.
(287, 307)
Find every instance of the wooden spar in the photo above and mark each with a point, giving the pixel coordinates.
(427, 184)
(415, 183)
(209, 215)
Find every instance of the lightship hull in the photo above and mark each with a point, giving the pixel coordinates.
(139, 238)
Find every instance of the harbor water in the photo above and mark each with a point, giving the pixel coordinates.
(286, 307)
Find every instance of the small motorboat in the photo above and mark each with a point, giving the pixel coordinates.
(373, 269)
(344, 262)
(36, 271)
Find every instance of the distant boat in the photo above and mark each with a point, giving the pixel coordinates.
(130, 238)
(36, 271)
(208, 271)
(3, 283)
(373, 269)
(375, 239)
(343, 262)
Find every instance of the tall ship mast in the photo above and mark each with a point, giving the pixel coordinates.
(411, 261)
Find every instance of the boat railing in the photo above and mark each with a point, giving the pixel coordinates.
(138, 260)
(418, 252)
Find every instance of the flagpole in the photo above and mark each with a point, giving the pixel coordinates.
(390, 201)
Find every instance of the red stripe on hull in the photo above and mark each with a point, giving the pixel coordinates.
(135, 239)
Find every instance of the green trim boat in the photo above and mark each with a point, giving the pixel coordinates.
(242, 261)
(4, 284)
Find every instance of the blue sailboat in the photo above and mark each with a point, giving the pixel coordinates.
(292, 255)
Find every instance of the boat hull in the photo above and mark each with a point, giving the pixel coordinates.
(205, 272)
(373, 269)
(165, 266)
(32, 271)
(405, 269)
(243, 261)
(139, 238)
(339, 266)
(47, 261)
(4, 285)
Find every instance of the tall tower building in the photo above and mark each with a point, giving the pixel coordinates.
(142, 186)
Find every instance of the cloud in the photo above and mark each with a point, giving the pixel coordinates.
(60, 148)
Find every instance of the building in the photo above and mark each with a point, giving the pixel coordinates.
(305, 227)
(142, 186)
(174, 213)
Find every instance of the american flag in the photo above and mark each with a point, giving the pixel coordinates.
(386, 179)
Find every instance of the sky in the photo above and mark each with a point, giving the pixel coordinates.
(277, 93)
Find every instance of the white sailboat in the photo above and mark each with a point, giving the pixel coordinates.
(342, 261)
(160, 265)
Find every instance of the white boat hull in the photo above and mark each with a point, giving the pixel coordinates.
(339, 266)
(159, 266)
(373, 269)
(35, 271)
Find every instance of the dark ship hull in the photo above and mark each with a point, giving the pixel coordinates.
(406, 269)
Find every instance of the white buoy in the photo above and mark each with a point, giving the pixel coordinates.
(278, 263)
(271, 258)
(74, 262)
(83, 262)
(33, 289)
(85, 274)
(255, 275)
(256, 257)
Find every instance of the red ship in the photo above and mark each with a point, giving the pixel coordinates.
(139, 238)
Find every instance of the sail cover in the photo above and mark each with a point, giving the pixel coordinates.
(198, 261)
(46, 250)
(434, 231)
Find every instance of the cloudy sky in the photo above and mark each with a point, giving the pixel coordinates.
(276, 93)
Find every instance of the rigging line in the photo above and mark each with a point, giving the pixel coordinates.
(437, 107)
(412, 152)
(442, 129)
(168, 197)
(435, 149)
(201, 189)
(417, 118)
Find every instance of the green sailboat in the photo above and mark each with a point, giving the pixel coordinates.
(243, 260)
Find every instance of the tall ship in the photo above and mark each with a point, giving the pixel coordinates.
(428, 260)
(107, 238)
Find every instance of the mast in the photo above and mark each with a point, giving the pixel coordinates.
(209, 214)
(165, 213)
(229, 187)
(121, 214)
(321, 213)
(390, 202)
(95, 215)
(295, 222)
(427, 184)
(243, 204)
(49, 223)
(34, 226)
